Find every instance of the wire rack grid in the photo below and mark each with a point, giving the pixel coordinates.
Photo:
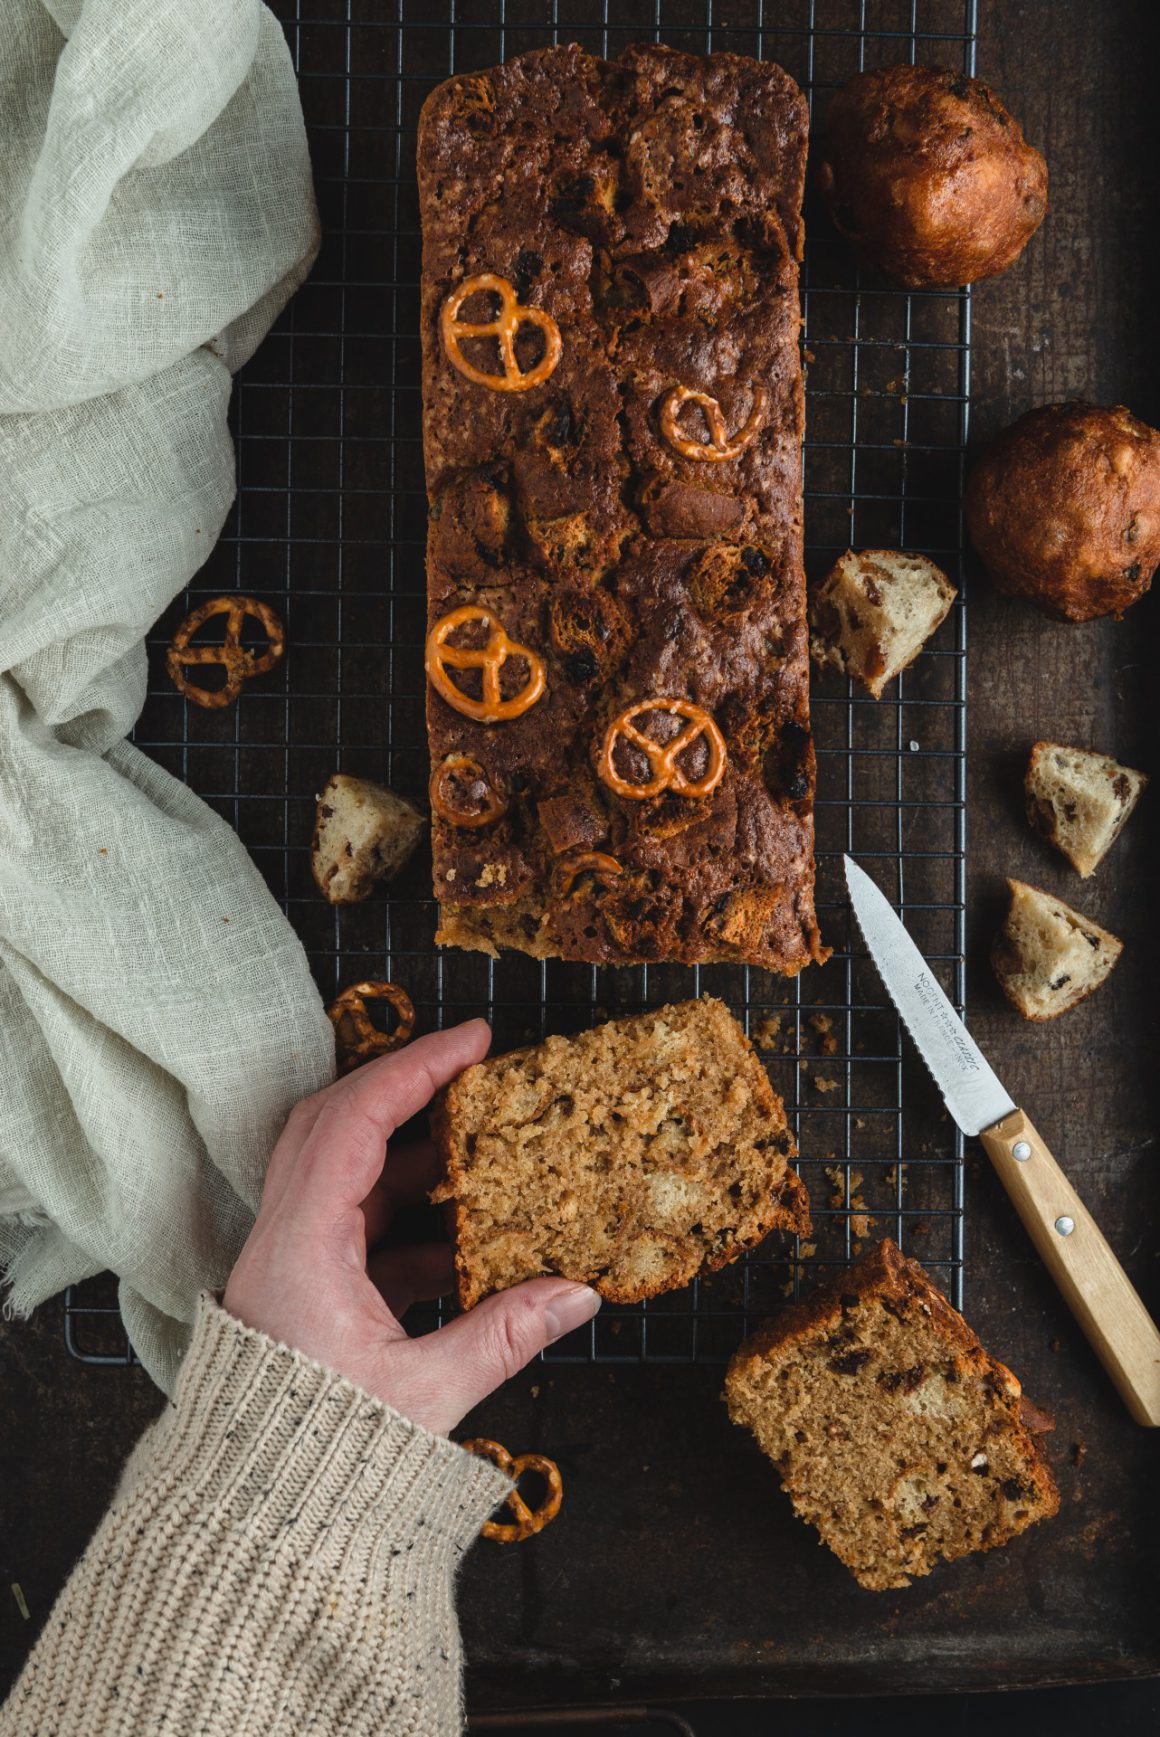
(329, 528)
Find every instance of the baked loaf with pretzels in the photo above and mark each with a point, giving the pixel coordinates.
(618, 710)
(632, 1157)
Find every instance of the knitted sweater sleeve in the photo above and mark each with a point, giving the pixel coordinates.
(280, 1557)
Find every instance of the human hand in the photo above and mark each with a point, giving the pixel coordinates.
(305, 1276)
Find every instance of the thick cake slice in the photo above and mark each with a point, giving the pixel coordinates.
(631, 1157)
(617, 660)
(894, 1432)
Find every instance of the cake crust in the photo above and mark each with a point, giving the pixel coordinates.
(633, 1157)
(650, 208)
(895, 1433)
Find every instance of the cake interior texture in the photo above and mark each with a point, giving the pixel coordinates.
(632, 1157)
(894, 1432)
(1079, 801)
(874, 612)
(1047, 956)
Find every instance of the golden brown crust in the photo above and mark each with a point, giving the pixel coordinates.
(645, 552)
(929, 177)
(1063, 509)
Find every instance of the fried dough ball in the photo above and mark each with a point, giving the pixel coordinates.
(1064, 509)
(929, 177)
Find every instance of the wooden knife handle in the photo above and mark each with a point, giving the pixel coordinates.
(1097, 1289)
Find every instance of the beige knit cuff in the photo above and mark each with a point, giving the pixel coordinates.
(293, 1456)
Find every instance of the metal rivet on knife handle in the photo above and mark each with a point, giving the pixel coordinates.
(1064, 1225)
(1021, 1151)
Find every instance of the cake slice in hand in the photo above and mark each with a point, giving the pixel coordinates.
(1079, 801)
(874, 612)
(1048, 957)
(894, 1432)
(631, 1157)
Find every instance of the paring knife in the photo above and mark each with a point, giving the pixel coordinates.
(1095, 1285)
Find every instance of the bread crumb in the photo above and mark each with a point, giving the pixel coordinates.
(1078, 1452)
(825, 1085)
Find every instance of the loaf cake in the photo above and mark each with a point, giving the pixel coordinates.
(617, 702)
(1048, 957)
(632, 1157)
(873, 613)
(363, 833)
(894, 1433)
(1079, 801)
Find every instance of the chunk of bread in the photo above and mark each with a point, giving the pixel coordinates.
(631, 1157)
(1048, 957)
(894, 1433)
(363, 833)
(1079, 801)
(873, 613)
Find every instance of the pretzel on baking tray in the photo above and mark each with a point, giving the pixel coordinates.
(489, 659)
(720, 444)
(663, 757)
(240, 662)
(526, 1521)
(468, 771)
(359, 1039)
(503, 328)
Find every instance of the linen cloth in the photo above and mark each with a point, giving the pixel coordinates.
(157, 1015)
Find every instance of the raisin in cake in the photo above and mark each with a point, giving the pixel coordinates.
(873, 613)
(363, 833)
(631, 1157)
(1080, 801)
(894, 1432)
(618, 699)
(1047, 956)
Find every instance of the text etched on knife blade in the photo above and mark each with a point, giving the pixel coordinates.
(931, 996)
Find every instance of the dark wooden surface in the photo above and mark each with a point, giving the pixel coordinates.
(676, 1566)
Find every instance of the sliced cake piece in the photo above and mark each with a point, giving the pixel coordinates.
(894, 1433)
(1079, 801)
(1047, 956)
(873, 613)
(631, 1157)
(363, 833)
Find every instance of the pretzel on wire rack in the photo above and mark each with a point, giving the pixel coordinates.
(239, 662)
(526, 1521)
(359, 1039)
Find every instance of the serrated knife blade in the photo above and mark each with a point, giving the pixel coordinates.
(1070, 1243)
(972, 1092)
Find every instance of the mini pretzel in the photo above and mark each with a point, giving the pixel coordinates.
(489, 659)
(238, 661)
(359, 1040)
(663, 756)
(719, 445)
(597, 863)
(527, 1521)
(512, 315)
(463, 766)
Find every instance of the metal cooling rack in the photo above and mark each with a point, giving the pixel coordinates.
(329, 527)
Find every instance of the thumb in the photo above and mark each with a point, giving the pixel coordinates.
(461, 1364)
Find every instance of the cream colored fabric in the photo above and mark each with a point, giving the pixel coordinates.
(157, 1016)
(280, 1557)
